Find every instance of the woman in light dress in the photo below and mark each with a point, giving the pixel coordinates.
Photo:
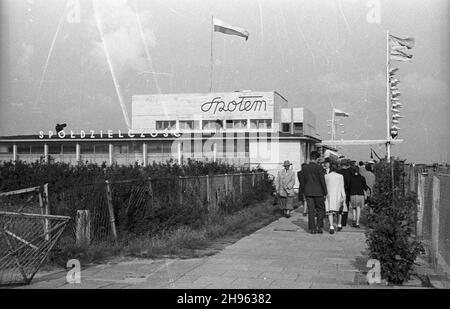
(336, 195)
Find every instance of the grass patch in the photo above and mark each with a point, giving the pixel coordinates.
(219, 231)
(97, 252)
(183, 242)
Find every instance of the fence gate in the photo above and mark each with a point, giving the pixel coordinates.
(25, 241)
(27, 233)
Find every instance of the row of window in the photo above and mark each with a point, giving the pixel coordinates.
(160, 147)
(213, 124)
(88, 148)
(228, 124)
(298, 127)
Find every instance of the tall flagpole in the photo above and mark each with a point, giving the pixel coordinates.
(388, 104)
(212, 59)
(388, 100)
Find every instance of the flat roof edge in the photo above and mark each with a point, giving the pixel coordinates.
(202, 93)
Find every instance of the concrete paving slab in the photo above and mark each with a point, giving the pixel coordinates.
(281, 255)
(242, 274)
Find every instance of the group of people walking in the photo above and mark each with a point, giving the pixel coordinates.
(327, 189)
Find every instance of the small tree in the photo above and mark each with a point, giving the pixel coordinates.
(391, 225)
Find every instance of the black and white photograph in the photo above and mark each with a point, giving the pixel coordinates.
(224, 151)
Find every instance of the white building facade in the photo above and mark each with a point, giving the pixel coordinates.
(244, 128)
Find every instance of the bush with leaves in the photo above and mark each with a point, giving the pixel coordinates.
(82, 186)
(60, 175)
(391, 225)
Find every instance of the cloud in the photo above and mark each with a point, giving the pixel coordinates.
(124, 33)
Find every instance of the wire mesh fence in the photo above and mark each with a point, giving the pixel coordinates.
(433, 220)
(25, 242)
(444, 217)
(32, 220)
(29, 200)
(83, 197)
(123, 208)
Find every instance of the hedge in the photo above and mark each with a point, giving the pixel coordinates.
(60, 176)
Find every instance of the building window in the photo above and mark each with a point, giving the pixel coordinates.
(212, 124)
(241, 148)
(86, 148)
(8, 149)
(261, 123)
(101, 148)
(55, 148)
(298, 127)
(159, 148)
(187, 147)
(136, 147)
(119, 149)
(166, 125)
(69, 149)
(167, 147)
(236, 124)
(37, 149)
(189, 124)
(286, 127)
(154, 148)
(23, 149)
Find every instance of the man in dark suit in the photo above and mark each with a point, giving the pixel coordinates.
(346, 172)
(312, 183)
(301, 198)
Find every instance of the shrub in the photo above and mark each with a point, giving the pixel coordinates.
(390, 226)
(61, 176)
(138, 209)
(141, 207)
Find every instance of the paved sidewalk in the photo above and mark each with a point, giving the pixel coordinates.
(280, 255)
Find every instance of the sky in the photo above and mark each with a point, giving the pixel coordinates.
(317, 54)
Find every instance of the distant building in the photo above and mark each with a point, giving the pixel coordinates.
(244, 128)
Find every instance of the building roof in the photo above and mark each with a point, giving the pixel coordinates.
(139, 137)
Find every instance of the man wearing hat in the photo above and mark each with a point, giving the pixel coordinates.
(285, 188)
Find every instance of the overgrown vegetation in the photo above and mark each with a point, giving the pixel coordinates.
(157, 210)
(391, 225)
(182, 242)
(60, 175)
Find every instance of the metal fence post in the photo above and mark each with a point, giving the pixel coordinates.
(226, 184)
(111, 210)
(46, 210)
(83, 228)
(150, 187)
(208, 191)
(180, 190)
(240, 182)
(41, 204)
